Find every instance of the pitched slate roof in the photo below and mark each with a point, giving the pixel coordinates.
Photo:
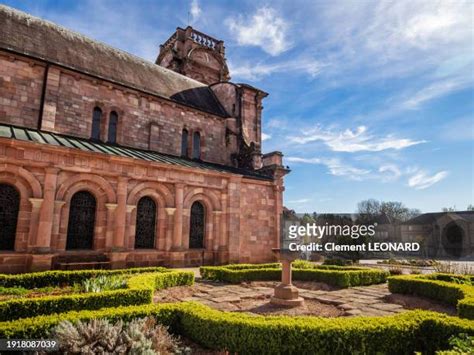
(34, 37)
(59, 140)
(429, 218)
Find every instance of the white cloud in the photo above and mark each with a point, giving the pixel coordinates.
(393, 172)
(265, 136)
(421, 180)
(195, 10)
(393, 38)
(254, 71)
(334, 165)
(353, 140)
(433, 91)
(300, 201)
(265, 29)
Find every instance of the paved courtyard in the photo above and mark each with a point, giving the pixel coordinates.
(368, 300)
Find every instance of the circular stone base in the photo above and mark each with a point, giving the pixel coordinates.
(287, 303)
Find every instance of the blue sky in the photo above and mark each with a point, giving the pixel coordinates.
(368, 99)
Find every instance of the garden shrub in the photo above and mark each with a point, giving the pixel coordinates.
(103, 283)
(439, 287)
(140, 291)
(302, 264)
(332, 275)
(253, 334)
(99, 336)
(338, 262)
(59, 277)
(460, 344)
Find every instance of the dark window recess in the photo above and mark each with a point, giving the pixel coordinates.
(197, 145)
(146, 224)
(80, 230)
(113, 122)
(9, 208)
(96, 118)
(184, 143)
(197, 227)
(452, 240)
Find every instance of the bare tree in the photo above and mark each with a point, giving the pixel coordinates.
(370, 210)
(449, 209)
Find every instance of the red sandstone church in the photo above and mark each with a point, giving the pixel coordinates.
(109, 160)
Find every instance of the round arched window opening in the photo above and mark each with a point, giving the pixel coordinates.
(452, 240)
(146, 224)
(197, 226)
(113, 124)
(81, 224)
(9, 208)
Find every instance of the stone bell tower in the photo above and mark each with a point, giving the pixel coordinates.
(196, 55)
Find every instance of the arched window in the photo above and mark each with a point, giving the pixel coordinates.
(197, 227)
(113, 122)
(9, 208)
(96, 118)
(452, 240)
(146, 224)
(197, 145)
(184, 143)
(80, 230)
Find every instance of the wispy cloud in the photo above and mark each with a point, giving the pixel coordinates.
(433, 91)
(265, 136)
(334, 165)
(195, 11)
(399, 36)
(265, 29)
(254, 71)
(390, 172)
(300, 201)
(421, 180)
(353, 140)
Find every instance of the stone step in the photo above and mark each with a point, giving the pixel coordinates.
(83, 265)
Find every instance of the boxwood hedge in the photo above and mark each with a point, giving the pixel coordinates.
(59, 277)
(254, 334)
(339, 276)
(140, 288)
(445, 288)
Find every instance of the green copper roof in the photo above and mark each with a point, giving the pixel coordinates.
(35, 136)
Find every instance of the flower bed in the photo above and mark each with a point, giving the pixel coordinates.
(249, 334)
(339, 276)
(456, 290)
(139, 290)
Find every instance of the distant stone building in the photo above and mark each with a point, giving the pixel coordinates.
(444, 235)
(108, 159)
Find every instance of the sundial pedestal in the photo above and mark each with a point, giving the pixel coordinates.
(285, 293)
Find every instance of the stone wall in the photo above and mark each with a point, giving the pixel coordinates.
(240, 213)
(258, 222)
(145, 121)
(20, 91)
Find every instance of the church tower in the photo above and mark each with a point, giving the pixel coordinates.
(196, 55)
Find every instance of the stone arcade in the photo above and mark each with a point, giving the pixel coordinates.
(109, 160)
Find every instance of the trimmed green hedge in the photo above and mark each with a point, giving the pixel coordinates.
(253, 334)
(140, 291)
(333, 275)
(57, 277)
(440, 287)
